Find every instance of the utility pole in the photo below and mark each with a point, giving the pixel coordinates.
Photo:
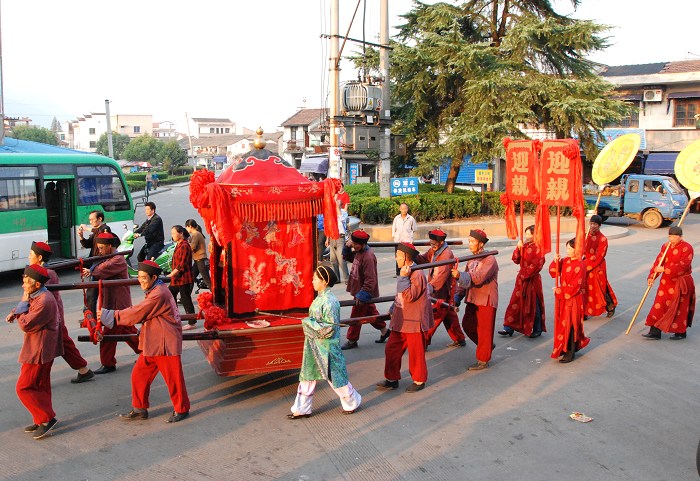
(334, 111)
(385, 112)
(2, 98)
(189, 138)
(110, 145)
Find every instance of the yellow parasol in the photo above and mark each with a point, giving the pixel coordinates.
(688, 166)
(688, 174)
(615, 157)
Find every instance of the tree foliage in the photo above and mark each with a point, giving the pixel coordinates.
(33, 133)
(171, 156)
(119, 143)
(143, 148)
(465, 76)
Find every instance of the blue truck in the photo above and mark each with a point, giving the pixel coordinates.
(655, 200)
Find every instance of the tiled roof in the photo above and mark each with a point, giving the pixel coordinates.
(682, 66)
(209, 120)
(626, 70)
(305, 117)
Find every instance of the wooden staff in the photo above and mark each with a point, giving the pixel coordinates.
(522, 228)
(653, 277)
(418, 243)
(95, 284)
(376, 300)
(86, 261)
(220, 334)
(446, 262)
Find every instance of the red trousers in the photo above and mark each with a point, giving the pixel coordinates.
(441, 315)
(34, 391)
(108, 349)
(363, 310)
(143, 374)
(478, 323)
(396, 345)
(70, 353)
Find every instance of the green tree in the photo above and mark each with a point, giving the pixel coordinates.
(171, 156)
(466, 76)
(35, 134)
(143, 148)
(119, 143)
(55, 125)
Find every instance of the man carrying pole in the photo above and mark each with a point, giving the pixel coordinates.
(363, 285)
(160, 342)
(411, 318)
(37, 315)
(40, 253)
(440, 285)
(674, 305)
(479, 282)
(115, 297)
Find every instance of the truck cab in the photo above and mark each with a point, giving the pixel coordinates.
(653, 199)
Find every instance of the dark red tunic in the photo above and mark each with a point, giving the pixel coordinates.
(597, 285)
(568, 305)
(527, 293)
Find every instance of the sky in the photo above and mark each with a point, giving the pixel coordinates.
(254, 62)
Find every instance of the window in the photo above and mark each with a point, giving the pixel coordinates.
(685, 111)
(137, 129)
(63, 136)
(92, 130)
(633, 186)
(100, 184)
(228, 130)
(631, 121)
(93, 144)
(211, 130)
(293, 133)
(18, 188)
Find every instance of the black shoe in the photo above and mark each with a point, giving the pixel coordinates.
(349, 345)
(83, 377)
(611, 312)
(506, 332)
(386, 384)
(585, 318)
(177, 417)
(134, 415)
(415, 387)
(31, 428)
(651, 335)
(535, 334)
(43, 429)
(677, 336)
(565, 360)
(105, 369)
(298, 416)
(457, 344)
(383, 337)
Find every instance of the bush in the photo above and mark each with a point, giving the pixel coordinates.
(142, 176)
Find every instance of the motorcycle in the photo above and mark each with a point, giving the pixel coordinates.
(164, 258)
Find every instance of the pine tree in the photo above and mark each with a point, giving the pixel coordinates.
(466, 76)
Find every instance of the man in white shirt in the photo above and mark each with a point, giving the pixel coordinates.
(403, 228)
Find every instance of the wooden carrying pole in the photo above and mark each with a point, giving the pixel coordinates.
(430, 265)
(418, 243)
(653, 277)
(86, 261)
(211, 335)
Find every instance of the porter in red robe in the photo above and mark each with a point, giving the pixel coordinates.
(599, 296)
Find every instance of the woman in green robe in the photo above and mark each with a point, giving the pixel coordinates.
(322, 357)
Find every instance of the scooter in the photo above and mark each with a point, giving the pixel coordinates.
(164, 258)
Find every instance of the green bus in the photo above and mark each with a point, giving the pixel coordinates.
(46, 196)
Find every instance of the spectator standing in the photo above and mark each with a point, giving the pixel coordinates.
(181, 275)
(199, 250)
(403, 228)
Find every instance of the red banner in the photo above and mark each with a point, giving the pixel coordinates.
(273, 265)
(560, 167)
(521, 170)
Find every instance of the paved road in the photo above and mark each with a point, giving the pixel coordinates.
(510, 421)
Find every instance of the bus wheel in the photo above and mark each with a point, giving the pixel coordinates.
(652, 219)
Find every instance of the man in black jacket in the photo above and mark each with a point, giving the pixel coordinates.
(152, 231)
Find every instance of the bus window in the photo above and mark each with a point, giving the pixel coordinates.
(18, 187)
(101, 185)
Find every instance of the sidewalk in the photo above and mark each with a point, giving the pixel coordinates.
(494, 227)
